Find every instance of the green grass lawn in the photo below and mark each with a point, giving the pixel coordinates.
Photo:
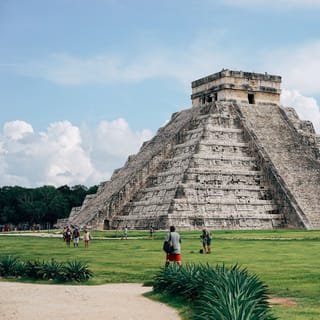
(287, 261)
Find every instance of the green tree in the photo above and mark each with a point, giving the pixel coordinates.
(43, 205)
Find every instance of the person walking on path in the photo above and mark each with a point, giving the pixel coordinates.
(175, 239)
(206, 240)
(86, 238)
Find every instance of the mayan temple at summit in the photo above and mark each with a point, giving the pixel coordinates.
(236, 159)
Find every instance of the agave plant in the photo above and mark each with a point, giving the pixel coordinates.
(187, 281)
(76, 271)
(52, 270)
(233, 295)
(20, 268)
(218, 293)
(34, 269)
(8, 265)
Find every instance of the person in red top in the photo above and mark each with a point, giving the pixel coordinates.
(175, 255)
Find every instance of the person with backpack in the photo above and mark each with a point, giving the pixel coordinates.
(174, 253)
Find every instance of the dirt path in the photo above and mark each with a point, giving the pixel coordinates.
(21, 301)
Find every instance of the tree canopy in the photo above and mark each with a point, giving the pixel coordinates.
(23, 207)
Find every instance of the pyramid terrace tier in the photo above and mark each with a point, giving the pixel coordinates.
(243, 219)
(211, 203)
(209, 176)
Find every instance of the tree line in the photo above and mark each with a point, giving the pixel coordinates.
(24, 207)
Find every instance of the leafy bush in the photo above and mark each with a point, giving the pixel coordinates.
(8, 266)
(76, 271)
(218, 293)
(20, 268)
(34, 269)
(52, 270)
(234, 295)
(46, 270)
(186, 281)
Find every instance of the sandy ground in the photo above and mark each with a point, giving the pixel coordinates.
(21, 301)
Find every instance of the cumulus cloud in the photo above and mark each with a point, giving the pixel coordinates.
(110, 144)
(306, 107)
(65, 154)
(17, 129)
(299, 66)
(116, 137)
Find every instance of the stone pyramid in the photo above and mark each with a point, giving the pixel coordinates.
(235, 160)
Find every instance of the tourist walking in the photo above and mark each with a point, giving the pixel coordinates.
(174, 238)
(76, 237)
(125, 232)
(206, 240)
(67, 234)
(86, 238)
(151, 232)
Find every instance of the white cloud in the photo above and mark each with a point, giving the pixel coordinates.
(180, 64)
(63, 154)
(299, 67)
(66, 154)
(66, 159)
(116, 138)
(17, 129)
(65, 69)
(110, 144)
(306, 107)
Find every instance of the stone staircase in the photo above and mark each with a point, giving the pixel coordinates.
(209, 177)
(116, 196)
(295, 162)
(220, 165)
(235, 160)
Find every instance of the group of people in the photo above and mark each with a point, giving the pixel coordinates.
(173, 237)
(74, 235)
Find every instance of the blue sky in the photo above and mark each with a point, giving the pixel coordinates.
(84, 83)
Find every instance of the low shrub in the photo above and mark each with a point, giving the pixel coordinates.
(186, 281)
(218, 293)
(20, 268)
(33, 269)
(45, 270)
(8, 266)
(52, 269)
(76, 271)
